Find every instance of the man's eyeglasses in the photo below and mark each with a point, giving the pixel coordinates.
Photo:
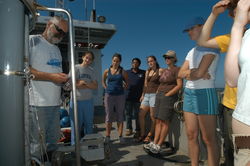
(168, 57)
(60, 30)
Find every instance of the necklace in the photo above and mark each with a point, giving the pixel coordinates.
(152, 73)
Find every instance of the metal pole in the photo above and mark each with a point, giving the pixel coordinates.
(26, 92)
(74, 99)
(11, 84)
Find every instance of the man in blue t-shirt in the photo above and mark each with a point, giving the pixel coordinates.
(133, 94)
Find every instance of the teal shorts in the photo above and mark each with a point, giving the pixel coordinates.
(201, 101)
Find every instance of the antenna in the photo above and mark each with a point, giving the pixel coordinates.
(60, 4)
(85, 10)
(93, 13)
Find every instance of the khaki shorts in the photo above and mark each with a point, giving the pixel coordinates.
(241, 156)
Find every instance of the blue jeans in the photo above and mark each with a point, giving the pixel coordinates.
(49, 123)
(85, 110)
(130, 109)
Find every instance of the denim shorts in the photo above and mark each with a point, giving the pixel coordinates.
(201, 101)
(148, 100)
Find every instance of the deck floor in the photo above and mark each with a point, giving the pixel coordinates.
(130, 154)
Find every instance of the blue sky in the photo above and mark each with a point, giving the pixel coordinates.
(149, 27)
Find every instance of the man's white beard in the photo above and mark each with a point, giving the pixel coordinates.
(52, 37)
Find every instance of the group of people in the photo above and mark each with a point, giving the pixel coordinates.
(135, 92)
(156, 90)
(160, 92)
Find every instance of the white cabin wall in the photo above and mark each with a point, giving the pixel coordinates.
(97, 65)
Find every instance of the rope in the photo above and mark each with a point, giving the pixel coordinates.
(36, 119)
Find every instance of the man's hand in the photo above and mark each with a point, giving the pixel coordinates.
(59, 77)
(220, 7)
(43, 76)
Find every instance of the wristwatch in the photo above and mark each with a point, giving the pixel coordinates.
(85, 83)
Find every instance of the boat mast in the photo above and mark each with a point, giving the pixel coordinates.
(60, 4)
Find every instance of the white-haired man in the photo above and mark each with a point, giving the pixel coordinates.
(46, 65)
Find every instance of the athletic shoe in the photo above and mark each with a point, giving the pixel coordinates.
(156, 149)
(149, 145)
(129, 132)
(107, 139)
(121, 140)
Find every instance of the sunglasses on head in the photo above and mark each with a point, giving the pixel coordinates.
(168, 57)
(59, 30)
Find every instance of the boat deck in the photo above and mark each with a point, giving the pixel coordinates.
(130, 154)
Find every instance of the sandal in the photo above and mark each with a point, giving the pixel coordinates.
(147, 139)
(140, 138)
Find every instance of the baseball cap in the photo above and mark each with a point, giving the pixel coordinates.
(170, 53)
(193, 22)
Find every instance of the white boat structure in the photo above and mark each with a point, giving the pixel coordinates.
(16, 26)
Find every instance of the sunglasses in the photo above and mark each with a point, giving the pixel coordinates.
(59, 30)
(168, 57)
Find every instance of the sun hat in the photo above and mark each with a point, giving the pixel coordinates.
(170, 53)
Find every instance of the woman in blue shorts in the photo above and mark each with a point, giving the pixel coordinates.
(148, 97)
(200, 99)
(114, 95)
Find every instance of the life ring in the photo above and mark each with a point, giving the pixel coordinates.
(177, 108)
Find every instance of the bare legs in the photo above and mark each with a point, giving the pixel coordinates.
(208, 129)
(192, 128)
(109, 126)
(152, 125)
(142, 113)
(207, 125)
(161, 131)
(120, 128)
